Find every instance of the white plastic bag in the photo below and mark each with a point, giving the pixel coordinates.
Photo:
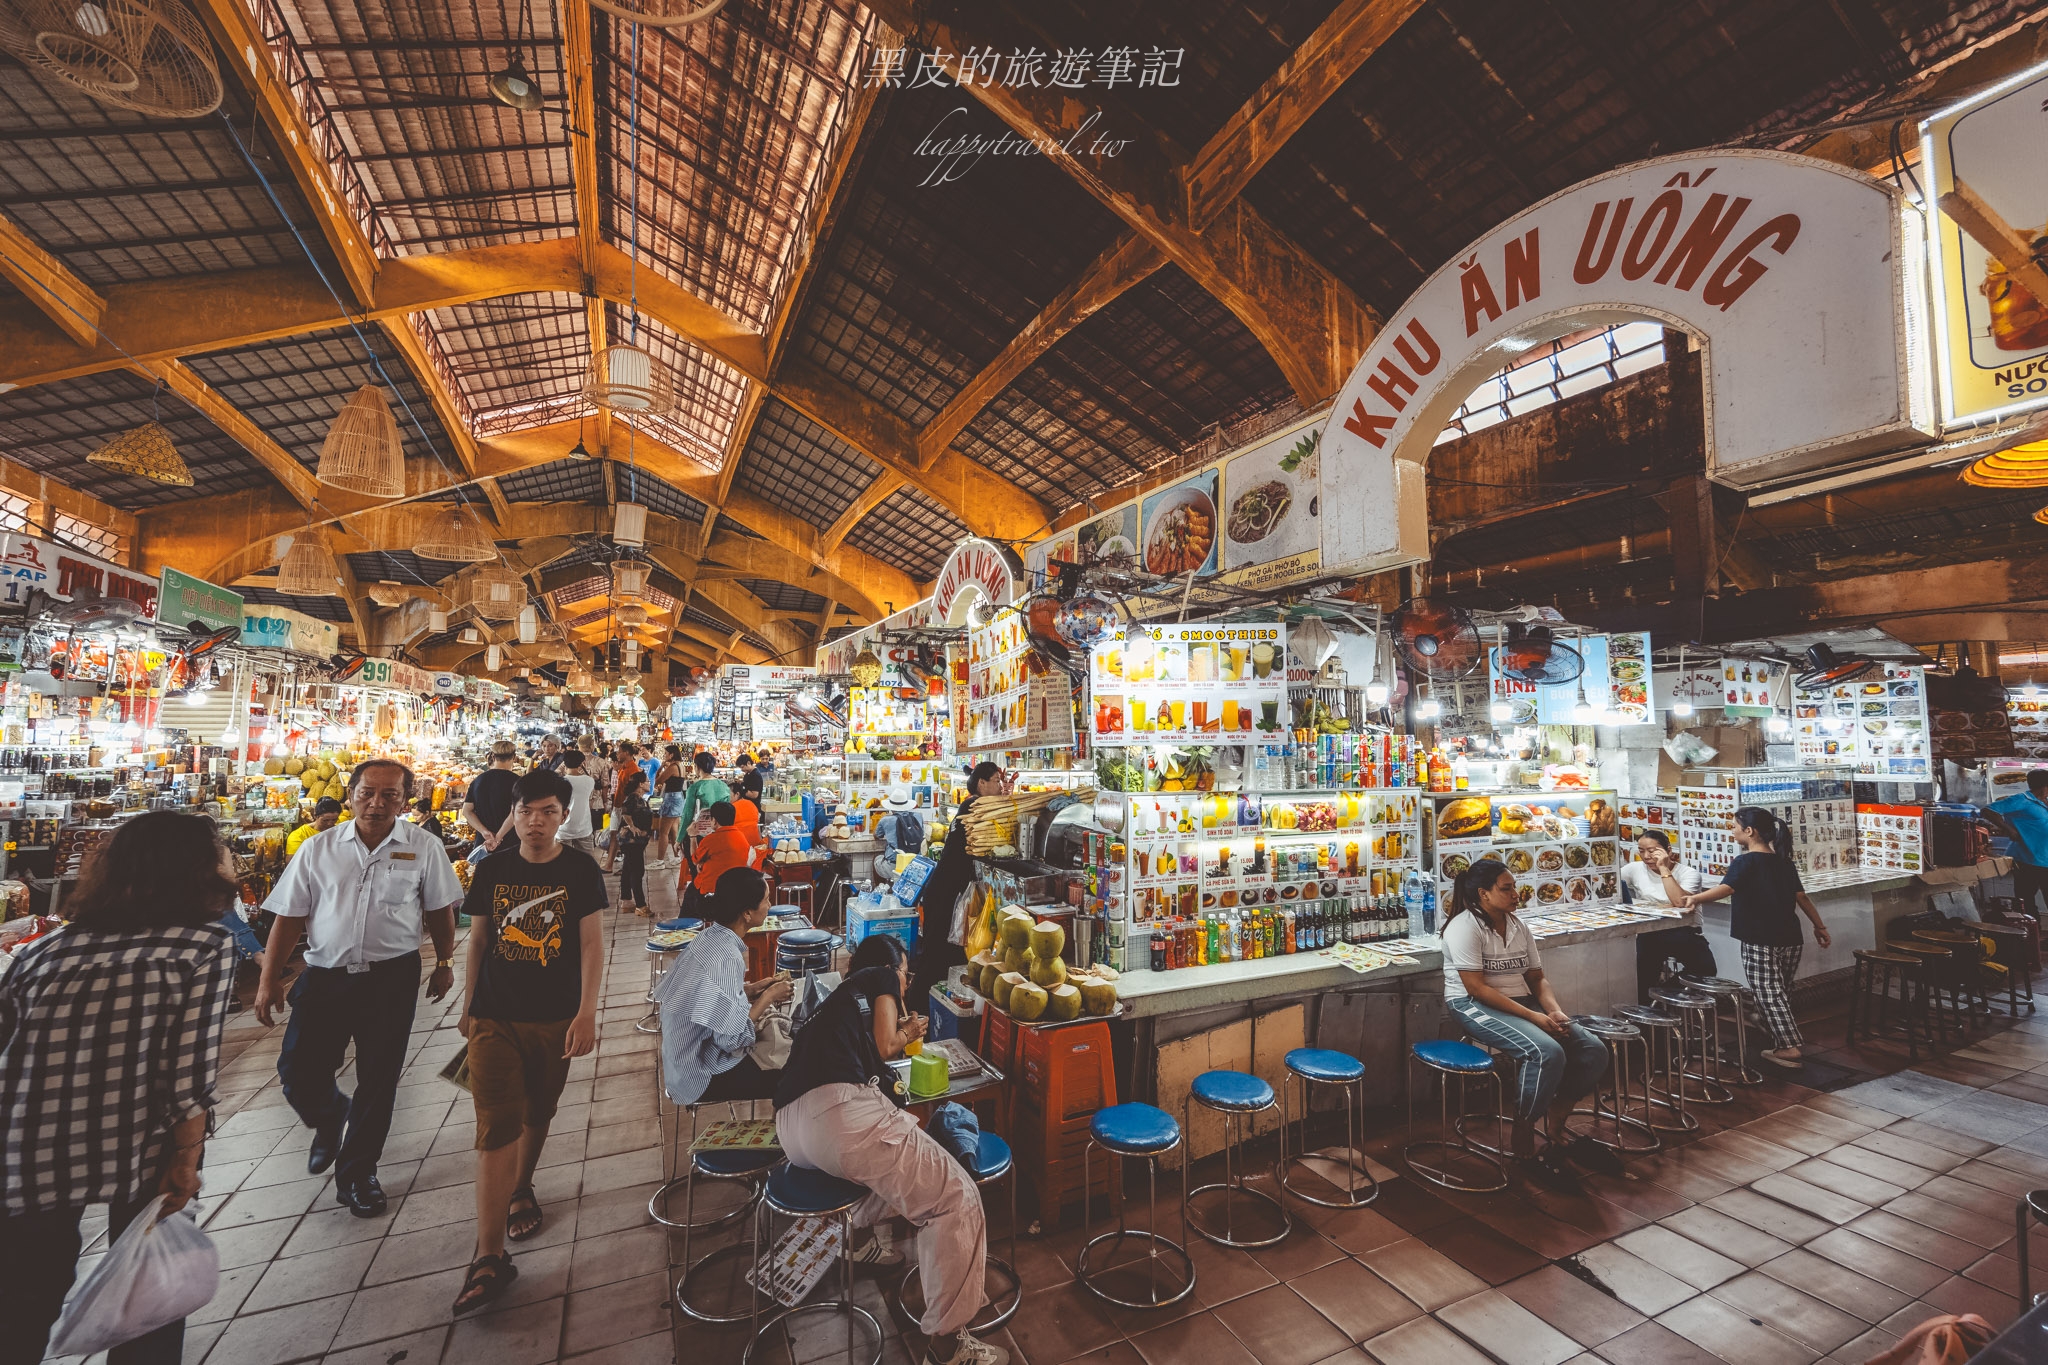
(158, 1272)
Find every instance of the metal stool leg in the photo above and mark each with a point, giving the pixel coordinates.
(1233, 1180)
(1155, 1242)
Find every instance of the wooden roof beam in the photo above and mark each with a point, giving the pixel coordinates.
(874, 495)
(1129, 260)
(1240, 149)
(75, 306)
(1309, 321)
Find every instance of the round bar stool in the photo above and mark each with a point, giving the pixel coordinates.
(992, 1162)
(1663, 1076)
(2009, 950)
(659, 959)
(1965, 971)
(748, 1166)
(2035, 1203)
(1134, 1130)
(799, 1192)
(1610, 1124)
(1449, 1057)
(677, 1159)
(1698, 1072)
(1313, 1066)
(1870, 994)
(1236, 1095)
(1502, 1121)
(1734, 995)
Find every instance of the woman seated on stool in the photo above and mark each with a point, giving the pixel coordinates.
(1494, 983)
(840, 1109)
(709, 1011)
(720, 849)
(1659, 881)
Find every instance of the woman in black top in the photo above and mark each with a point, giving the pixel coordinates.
(839, 1109)
(635, 825)
(669, 778)
(1766, 891)
(955, 872)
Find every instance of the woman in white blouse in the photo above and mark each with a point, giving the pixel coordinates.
(1658, 881)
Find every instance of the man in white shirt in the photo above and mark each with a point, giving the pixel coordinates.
(361, 893)
(578, 829)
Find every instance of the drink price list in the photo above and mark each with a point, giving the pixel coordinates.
(1190, 683)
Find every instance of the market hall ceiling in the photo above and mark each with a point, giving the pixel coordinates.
(876, 350)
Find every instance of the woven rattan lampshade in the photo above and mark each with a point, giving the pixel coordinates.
(363, 452)
(494, 593)
(630, 614)
(625, 378)
(494, 657)
(453, 534)
(2023, 466)
(152, 56)
(629, 578)
(866, 667)
(387, 594)
(529, 624)
(147, 453)
(309, 570)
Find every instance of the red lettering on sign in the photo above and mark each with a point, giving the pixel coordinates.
(1393, 384)
(1525, 281)
(1367, 426)
(1739, 271)
(1702, 239)
(1478, 295)
(1643, 250)
(1419, 363)
(1587, 270)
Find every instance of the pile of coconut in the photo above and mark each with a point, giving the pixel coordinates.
(1028, 979)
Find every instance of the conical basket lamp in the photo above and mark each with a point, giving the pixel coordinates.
(309, 570)
(629, 578)
(627, 378)
(363, 452)
(2022, 466)
(495, 594)
(454, 536)
(630, 614)
(147, 453)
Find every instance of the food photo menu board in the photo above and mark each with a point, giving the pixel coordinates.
(1194, 683)
(998, 683)
(1877, 721)
(2029, 714)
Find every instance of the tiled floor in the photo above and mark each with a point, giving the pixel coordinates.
(1801, 1226)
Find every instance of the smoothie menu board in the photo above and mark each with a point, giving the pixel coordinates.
(1877, 721)
(1190, 683)
(998, 683)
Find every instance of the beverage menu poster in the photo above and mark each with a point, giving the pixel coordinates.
(1191, 683)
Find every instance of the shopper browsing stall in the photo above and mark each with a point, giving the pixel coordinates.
(110, 1034)
(534, 976)
(2026, 814)
(635, 826)
(1494, 983)
(710, 1012)
(1764, 892)
(1659, 880)
(953, 875)
(326, 812)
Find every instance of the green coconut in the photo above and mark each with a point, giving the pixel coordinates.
(1027, 1002)
(1016, 960)
(1006, 987)
(1047, 939)
(1098, 997)
(1047, 971)
(1063, 1002)
(1013, 927)
(986, 982)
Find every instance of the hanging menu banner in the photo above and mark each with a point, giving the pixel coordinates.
(1628, 677)
(1613, 681)
(188, 602)
(1877, 721)
(1754, 687)
(998, 684)
(1195, 683)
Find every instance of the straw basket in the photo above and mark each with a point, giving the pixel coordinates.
(309, 570)
(147, 453)
(363, 452)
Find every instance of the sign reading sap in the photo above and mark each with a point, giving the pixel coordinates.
(1787, 269)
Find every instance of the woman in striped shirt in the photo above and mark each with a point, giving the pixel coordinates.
(709, 1010)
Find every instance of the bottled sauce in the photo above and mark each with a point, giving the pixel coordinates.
(1461, 777)
(1439, 771)
(1158, 950)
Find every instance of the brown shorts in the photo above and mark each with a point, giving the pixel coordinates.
(516, 1074)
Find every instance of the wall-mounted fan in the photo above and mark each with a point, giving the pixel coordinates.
(1531, 654)
(1825, 668)
(1436, 639)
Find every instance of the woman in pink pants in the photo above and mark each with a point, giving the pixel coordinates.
(839, 1109)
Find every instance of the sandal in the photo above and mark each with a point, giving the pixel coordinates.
(523, 1223)
(489, 1277)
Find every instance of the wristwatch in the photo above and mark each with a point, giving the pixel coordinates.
(441, 962)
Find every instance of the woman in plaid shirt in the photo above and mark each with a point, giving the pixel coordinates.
(110, 1032)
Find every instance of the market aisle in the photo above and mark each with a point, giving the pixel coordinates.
(302, 1279)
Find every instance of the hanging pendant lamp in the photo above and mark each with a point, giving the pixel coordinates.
(493, 592)
(453, 535)
(437, 621)
(2021, 466)
(363, 452)
(628, 379)
(147, 453)
(630, 614)
(529, 624)
(866, 667)
(309, 570)
(471, 635)
(629, 578)
(629, 524)
(494, 658)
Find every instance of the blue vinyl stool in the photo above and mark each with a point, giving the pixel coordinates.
(1134, 1130)
(658, 960)
(1313, 1066)
(800, 1192)
(1447, 1058)
(1236, 1095)
(748, 1166)
(992, 1162)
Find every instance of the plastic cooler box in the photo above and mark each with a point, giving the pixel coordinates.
(899, 924)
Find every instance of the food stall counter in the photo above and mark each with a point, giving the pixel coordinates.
(1149, 994)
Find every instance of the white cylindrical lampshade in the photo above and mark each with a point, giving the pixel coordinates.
(470, 635)
(629, 524)
(632, 649)
(494, 658)
(437, 620)
(629, 576)
(529, 624)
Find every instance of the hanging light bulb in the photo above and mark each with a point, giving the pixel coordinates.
(1582, 710)
(1681, 708)
(1500, 711)
(1427, 707)
(130, 730)
(1376, 691)
(2032, 689)
(1778, 725)
(194, 697)
(515, 88)
(152, 737)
